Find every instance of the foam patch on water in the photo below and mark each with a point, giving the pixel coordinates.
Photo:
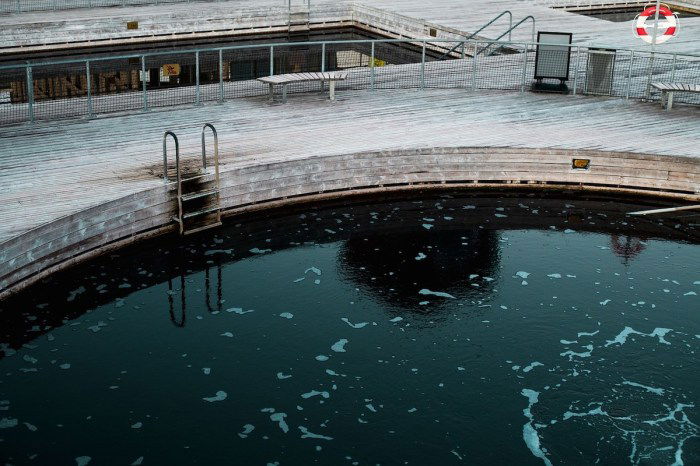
(247, 429)
(531, 366)
(82, 460)
(420, 256)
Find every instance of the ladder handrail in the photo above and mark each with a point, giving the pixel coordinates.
(216, 159)
(165, 156)
(510, 28)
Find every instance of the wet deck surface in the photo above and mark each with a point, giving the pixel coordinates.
(49, 170)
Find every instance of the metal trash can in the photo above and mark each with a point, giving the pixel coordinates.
(600, 71)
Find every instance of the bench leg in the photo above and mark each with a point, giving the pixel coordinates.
(332, 89)
(272, 93)
(284, 93)
(669, 104)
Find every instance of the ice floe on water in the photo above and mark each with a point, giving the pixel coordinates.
(287, 315)
(339, 346)
(227, 334)
(554, 275)
(306, 434)
(583, 354)
(282, 376)
(427, 226)
(531, 366)
(420, 256)
(621, 338)
(358, 325)
(396, 319)
(6, 423)
(238, 310)
(657, 391)
(279, 418)
(605, 302)
(530, 435)
(220, 396)
(313, 393)
(260, 251)
(322, 357)
(83, 460)
(247, 429)
(522, 274)
(440, 294)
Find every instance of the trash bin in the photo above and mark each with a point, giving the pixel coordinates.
(600, 71)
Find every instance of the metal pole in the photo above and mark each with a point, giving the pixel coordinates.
(323, 57)
(629, 76)
(474, 60)
(88, 89)
(143, 77)
(272, 60)
(221, 75)
(462, 52)
(578, 63)
(422, 67)
(19, 7)
(653, 47)
(197, 97)
(522, 83)
(371, 69)
(30, 93)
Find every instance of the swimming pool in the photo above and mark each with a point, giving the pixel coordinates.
(448, 328)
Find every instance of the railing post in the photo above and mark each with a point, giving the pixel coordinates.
(19, 7)
(474, 67)
(197, 96)
(578, 62)
(30, 93)
(221, 75)
(88, 88)
(143, 77)
(272, 60)
(323, 57)
(371, 69)
(422, 67)
(522, 83)
(629, 76)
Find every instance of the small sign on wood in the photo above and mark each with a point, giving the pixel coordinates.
(170, 69)
(132, 25)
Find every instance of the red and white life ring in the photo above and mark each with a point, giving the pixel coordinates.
(667, 28)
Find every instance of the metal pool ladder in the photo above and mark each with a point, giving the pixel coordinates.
(198, 195)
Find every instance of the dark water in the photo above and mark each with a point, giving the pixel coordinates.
(443, 330)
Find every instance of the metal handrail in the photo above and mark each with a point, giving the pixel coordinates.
(216, 160)
(510, 28)
(165, 156)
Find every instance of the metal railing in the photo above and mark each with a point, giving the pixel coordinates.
(474, 34)
(58, 89)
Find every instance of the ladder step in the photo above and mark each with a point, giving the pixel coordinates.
(192, 178)
(201, 212)
(190, 196)
(203, 227)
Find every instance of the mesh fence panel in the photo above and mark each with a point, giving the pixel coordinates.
(14, 106)
(116, 85)
(173, 79)
(60, 91)
(241, 68)
(14, 6)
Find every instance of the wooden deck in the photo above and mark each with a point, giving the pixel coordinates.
(50, 170)
(55, 26)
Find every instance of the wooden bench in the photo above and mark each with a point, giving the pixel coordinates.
(667, 90)
(285, 79)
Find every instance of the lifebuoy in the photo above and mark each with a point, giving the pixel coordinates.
(667, 29)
